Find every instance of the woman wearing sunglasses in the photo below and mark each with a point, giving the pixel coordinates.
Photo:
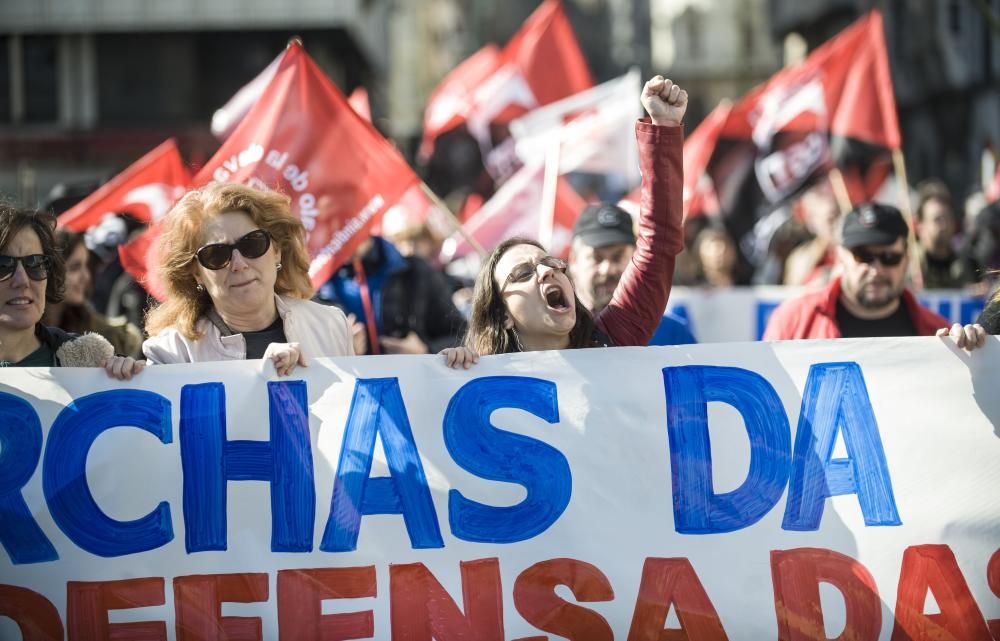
(32, 274)
(236, 275)
(525, 301)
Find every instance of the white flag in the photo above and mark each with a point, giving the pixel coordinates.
(594, 129)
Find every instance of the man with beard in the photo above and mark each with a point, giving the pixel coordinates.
(868, 298)
(602, 247)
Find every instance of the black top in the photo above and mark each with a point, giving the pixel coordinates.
(898, 324)
(990, 318)
(258, 341)
(44, 356)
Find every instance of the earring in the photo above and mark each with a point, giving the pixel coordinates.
(199, 287)
(279, 267)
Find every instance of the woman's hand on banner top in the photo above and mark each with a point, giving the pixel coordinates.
(285, 356)
(664, 101)
(968, 337)
(456, 357)
(123, 367)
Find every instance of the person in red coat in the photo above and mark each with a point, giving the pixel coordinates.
(869, 297)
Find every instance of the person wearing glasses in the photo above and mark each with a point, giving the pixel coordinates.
(869, 297)
(236, 274)
(525, 301)
(33, 275)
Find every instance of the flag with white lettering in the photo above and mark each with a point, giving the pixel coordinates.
(834, 109)
(542, 63)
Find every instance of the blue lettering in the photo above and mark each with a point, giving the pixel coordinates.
(20, 450)
(209, 461)
(377, 409)
(64, 478)
(835, 398)
(697, 508)
(480, 448)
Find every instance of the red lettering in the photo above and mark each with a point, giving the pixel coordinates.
(934, 568)
(300, 608)
(796, 575)
(35, 615)
(673, 582)
(87, 605)
(993, 578)
(198, 603)
(421, 610)
(536, 600)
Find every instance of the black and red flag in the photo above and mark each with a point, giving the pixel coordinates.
(834, 109)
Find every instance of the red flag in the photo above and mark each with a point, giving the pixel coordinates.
(452, 98)
(139, 258)
(542, 63)
(515, 210)
(146, 190)
(836, 108)
(303, 138)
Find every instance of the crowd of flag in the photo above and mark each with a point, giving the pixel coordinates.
(291, 129)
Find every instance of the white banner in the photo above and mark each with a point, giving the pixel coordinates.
(746, 491)
(741, 313)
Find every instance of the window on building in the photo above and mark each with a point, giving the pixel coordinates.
(5, 96)
(41, 96)
(748, 38)
(955, 17)
(695, 35)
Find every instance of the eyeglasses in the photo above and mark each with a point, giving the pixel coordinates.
(887, 258)
(217, 255)
(523, 272)
(36, 266)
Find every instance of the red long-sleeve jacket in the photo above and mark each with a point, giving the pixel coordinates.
(814, 315)
(638, 303)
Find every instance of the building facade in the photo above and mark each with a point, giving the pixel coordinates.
(87, 86)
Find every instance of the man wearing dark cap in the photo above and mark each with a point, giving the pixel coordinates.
(602, 247)
(869, 297)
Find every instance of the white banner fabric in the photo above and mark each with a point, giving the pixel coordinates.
(744, 491)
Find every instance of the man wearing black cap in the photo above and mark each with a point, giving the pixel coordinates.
(602, 247)
(869, 298)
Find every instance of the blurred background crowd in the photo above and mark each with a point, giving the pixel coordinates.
(87, 87)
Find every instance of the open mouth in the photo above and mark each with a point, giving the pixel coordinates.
(17, 302)
(555, 298)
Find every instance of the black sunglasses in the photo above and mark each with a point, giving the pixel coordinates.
(36, 266)
(887, 258)
(217, 255)
(523, 272)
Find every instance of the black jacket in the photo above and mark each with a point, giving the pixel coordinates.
(414, 297)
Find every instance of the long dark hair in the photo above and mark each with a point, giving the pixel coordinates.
(76, 319)
(487, 334)
(13, 220)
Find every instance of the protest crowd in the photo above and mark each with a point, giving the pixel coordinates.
(551, 244)
(408, 284)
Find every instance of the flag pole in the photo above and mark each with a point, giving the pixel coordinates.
(453, 219)
(840, 190)
(546, 221)
(899, 167)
